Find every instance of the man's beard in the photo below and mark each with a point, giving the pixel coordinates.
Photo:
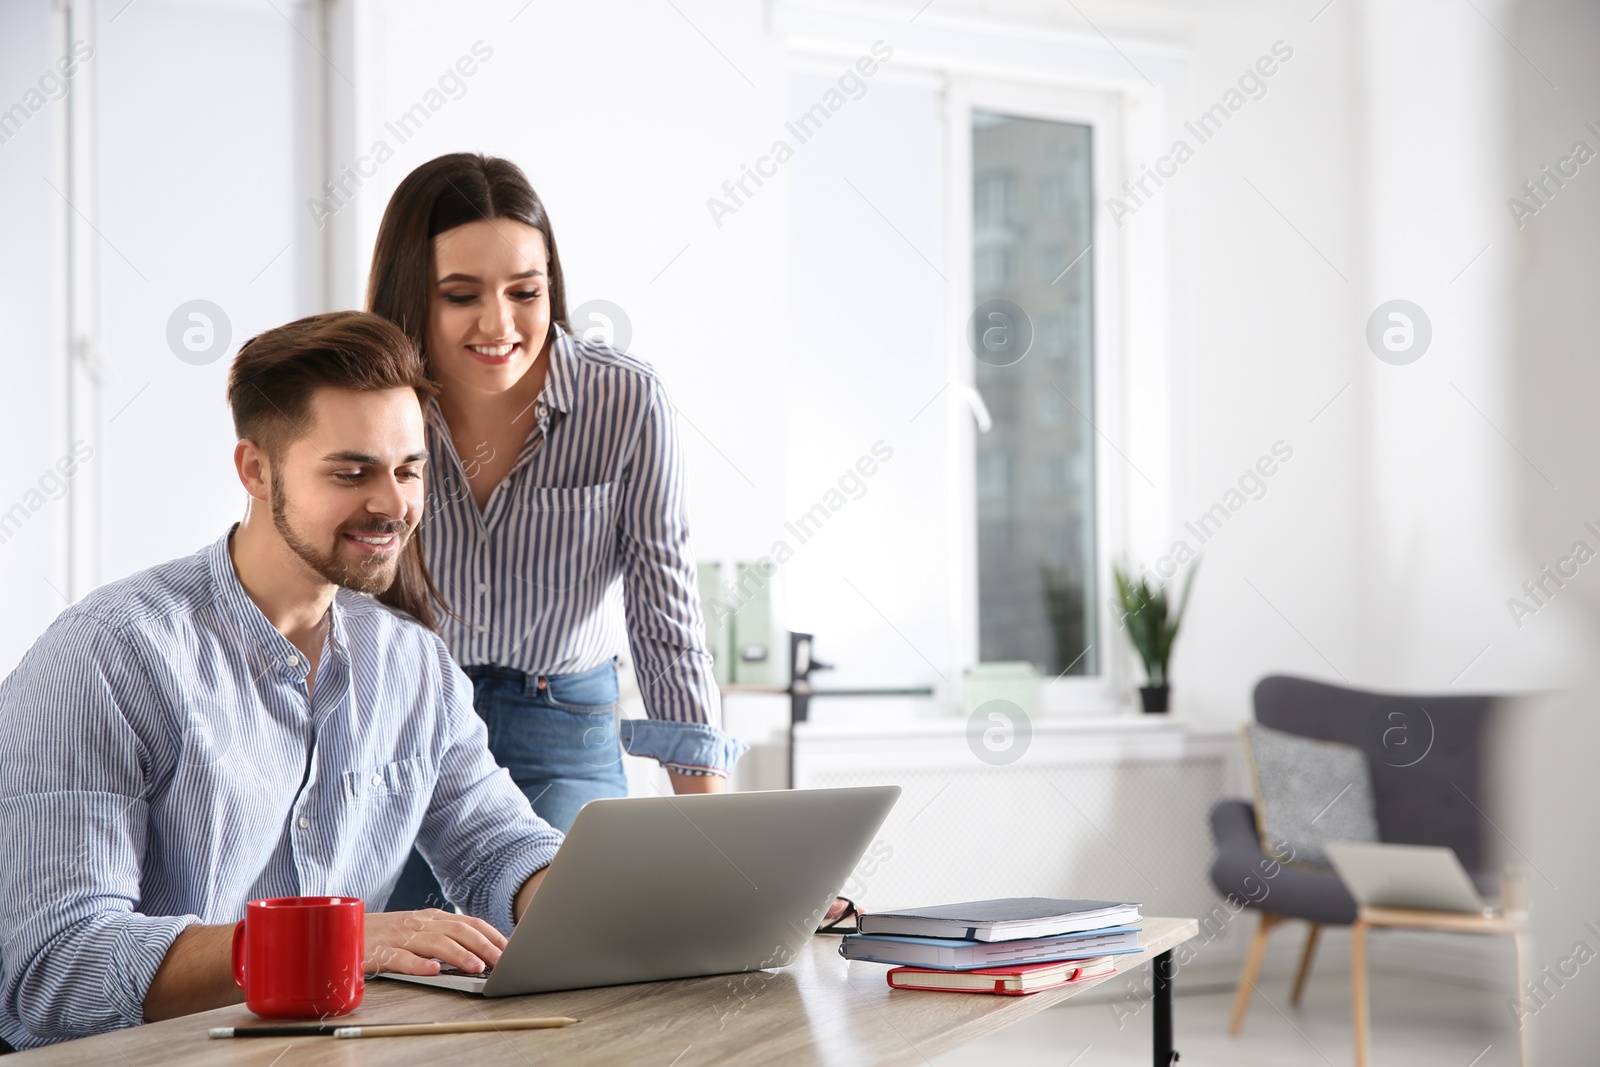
(372, 575)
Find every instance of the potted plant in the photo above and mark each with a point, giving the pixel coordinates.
(1152, 627)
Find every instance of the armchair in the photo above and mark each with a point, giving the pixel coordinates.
(1425, 757)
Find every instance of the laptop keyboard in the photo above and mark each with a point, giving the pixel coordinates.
(457, 972)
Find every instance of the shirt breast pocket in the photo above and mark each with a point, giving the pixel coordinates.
(389, 781)
(569, 534)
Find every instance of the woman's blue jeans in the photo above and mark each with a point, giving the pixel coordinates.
(557, 735)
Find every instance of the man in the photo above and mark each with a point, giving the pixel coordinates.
(246, 722)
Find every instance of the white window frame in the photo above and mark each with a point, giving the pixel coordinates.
(1124, 90)
(1104, 692)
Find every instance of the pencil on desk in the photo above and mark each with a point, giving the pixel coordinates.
(284, 1030)
(480, 1026)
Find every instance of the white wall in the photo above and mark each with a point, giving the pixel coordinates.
(32, 556)
(623, 143)
(195, 119)
(1261, 343)
(206, 117)
(1554, 271)
(1557, 271)
(803, 328)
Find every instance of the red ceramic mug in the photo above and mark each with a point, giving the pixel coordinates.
(300, 957)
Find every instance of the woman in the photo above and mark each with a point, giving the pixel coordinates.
(556, 517)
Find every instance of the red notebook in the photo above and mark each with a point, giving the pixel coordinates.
(1007, 981)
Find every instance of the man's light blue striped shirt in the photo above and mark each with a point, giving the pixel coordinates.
(161, 764)
(589, 531)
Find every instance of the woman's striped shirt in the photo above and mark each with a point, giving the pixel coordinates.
(585, 541)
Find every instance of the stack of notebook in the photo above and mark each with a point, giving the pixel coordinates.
(1014, 945)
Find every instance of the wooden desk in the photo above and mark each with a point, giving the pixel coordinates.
(821, 1010)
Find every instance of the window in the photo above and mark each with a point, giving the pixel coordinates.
(993, 478)
(995, 200)
(992, 265)
(1053, 195)
(1051, 410)
(1037, 568)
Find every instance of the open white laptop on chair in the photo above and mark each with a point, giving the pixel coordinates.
(1418, 877)
(646, 888)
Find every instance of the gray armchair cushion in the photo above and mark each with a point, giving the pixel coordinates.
(1308, 792)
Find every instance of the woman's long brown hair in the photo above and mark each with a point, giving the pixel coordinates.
(440, 195)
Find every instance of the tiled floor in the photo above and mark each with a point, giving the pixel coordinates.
(1416, 1022)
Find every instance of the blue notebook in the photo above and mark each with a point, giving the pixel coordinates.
(961, 954)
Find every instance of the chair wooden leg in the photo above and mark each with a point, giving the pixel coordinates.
(1305, 963)
(1252, 969)
(1358, 991)
(1524, 948)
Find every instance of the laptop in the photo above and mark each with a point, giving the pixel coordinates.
(646, 888)
(1419, 877)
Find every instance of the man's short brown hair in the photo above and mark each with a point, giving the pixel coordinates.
(276, 375)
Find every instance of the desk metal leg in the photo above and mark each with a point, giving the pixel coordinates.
(1161, 969)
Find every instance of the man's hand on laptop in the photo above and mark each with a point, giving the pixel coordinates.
(416, 942)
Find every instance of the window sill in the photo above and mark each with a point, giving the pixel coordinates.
(1130, 722)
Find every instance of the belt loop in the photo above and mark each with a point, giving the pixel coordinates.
(533, 684)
